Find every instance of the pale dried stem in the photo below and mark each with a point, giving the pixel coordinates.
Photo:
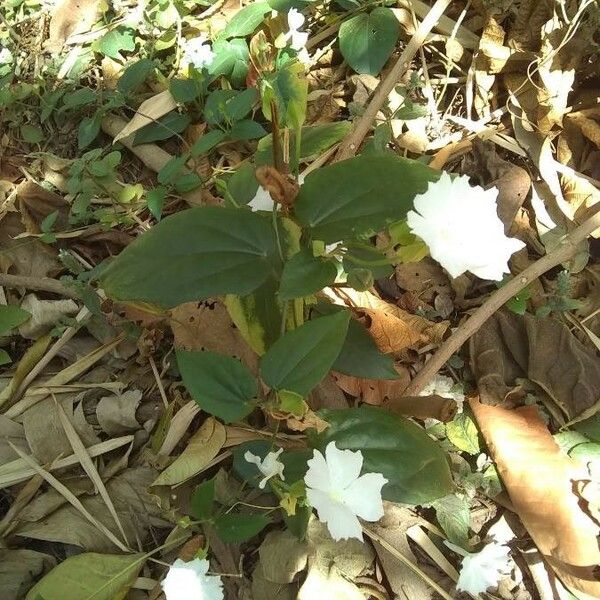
(563, 252)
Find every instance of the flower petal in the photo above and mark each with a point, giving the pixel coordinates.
(344, 466)
(363, 496)
(341, 522)
(317, 476)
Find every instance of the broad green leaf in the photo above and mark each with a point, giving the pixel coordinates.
(246, 20)
(5, 358)
(31, 134)
(360, 195)
(48, 103)
(207, 142)
(242, 185)
(194, 254)
(219, 384)
(288, 87)
(134, 75)
(462, 432)
(361, 357)
(246, 130)
(414, 465)
(301, 358)
(89, 128)
(231, 60)
(155, 199)
(453, 514)
(187, 182)
(234, 528)
(172, 170)
(112, 43)
(11, 316)
(167, 126)
(241, 104)
(184, 90)
(203, 500)
(80, 97)
(216, 105)
(305, 274)
(368, 39)
(315, 139)
(89, 576)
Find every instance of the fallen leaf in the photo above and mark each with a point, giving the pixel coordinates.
(45, 314)
(117, 413)
(19, 568)
(374, 391)
(89, 576)
(509, 347)
(150, 110)
(540, 480)
(203, 446)
(70, 17)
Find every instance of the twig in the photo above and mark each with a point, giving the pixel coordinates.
(38, 284)
(563, 252)
(353, 140)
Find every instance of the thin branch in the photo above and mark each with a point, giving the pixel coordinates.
(353, 140)
(38, 284)
(563, 252)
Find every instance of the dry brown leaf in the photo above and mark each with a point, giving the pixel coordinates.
(71, 17)
(540, 481)
(207, 325)
(149, 111)
(282, 188)
(374, 391)
(510, 347)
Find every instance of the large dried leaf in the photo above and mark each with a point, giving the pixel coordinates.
(374, 391)
(19, 569)
(541, 483)
(509, 347)
(70, 17)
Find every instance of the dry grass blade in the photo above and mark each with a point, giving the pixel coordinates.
(416, 534)
(70, 498)
(19, 470)
(385, 544)
(88, 466)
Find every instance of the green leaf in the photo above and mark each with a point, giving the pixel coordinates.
(89, 576)
(242, 185)
(207, 142)
(246, 130)
(305, 274)
(241, 104)
(80, 97)
(134, 75)
(89, 128)
(414, 465)
(360, 195)
(462, 432)
(301, 358)
(453, 514)
(169, 173)
(187, 182)
(234, 528)
(162, 129)
(112, 43)
(220, 385)
(194, 254)
(184, 90)
(315, 139)
(11, 316)
(289, 89)
(367, 40)
(245, 21)
(48, 103)
(155, 199)
(361, 357)
(5, 358)
(231, 60)
(31, 134)
(203, 500)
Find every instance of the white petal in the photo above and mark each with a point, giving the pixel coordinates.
(317, 475)
(295, 19)
(341, 522)
(299, 39)
(363, 496)
(483, 569)
(344, 466)
(252, 458)
(262, 200)
(189, 581)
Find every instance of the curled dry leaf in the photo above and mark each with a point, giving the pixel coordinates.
(374, 391)
(541, 482)
(283, 188)
(510, 347)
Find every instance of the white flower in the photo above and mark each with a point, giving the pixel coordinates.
(445, 387)
(339, 495)
(297, 39)
(197, 52)
(460, 225)
(482, 570)
(262, 199)
(269, 466)
(6, 56)
(189, 581)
